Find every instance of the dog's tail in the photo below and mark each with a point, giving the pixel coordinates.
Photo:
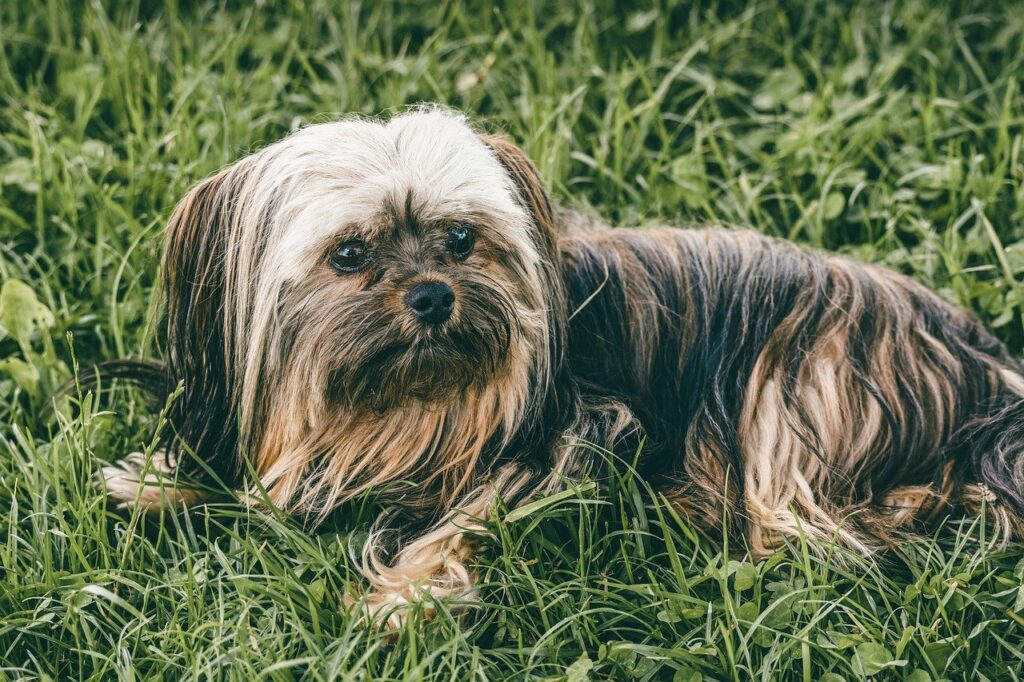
(991, 448)
(150, 483)
(151, 378)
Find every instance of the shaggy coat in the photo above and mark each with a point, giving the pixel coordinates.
(801, 392)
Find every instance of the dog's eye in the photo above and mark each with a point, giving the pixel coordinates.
(460, 240)
(350, 256)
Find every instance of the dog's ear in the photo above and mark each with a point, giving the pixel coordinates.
(199, 235)
(535, 198)
(193, 265)
(527, 181)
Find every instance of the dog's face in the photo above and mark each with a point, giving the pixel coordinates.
(359, 278)
(406, 268)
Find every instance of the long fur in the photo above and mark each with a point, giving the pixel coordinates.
(803, 392)
(827, 387)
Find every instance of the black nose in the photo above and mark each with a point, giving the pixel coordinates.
(431, 301)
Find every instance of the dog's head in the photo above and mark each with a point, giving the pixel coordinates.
(360, 302)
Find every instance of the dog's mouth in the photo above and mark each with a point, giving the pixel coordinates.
(429, 369)
(393, 364)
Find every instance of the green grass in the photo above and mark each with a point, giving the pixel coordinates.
(892, 131)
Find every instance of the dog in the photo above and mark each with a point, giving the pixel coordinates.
(395, 307)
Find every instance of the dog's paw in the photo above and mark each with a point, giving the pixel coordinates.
(134, 480)
(390, 610)
(146, 482)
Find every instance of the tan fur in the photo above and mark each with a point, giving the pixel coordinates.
(791, 489)
(435, 565)
(312, 466)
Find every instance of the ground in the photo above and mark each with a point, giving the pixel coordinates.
(890, 131)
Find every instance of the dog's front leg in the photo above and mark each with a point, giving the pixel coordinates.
(437, 565)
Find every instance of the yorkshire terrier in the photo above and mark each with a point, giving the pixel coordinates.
(371, 302)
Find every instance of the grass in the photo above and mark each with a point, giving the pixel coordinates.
(892, 131)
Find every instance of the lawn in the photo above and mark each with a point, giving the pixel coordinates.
(890, 131)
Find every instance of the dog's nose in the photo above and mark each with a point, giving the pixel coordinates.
(431, 301)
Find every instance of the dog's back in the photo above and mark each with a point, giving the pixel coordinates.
(807, 391)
